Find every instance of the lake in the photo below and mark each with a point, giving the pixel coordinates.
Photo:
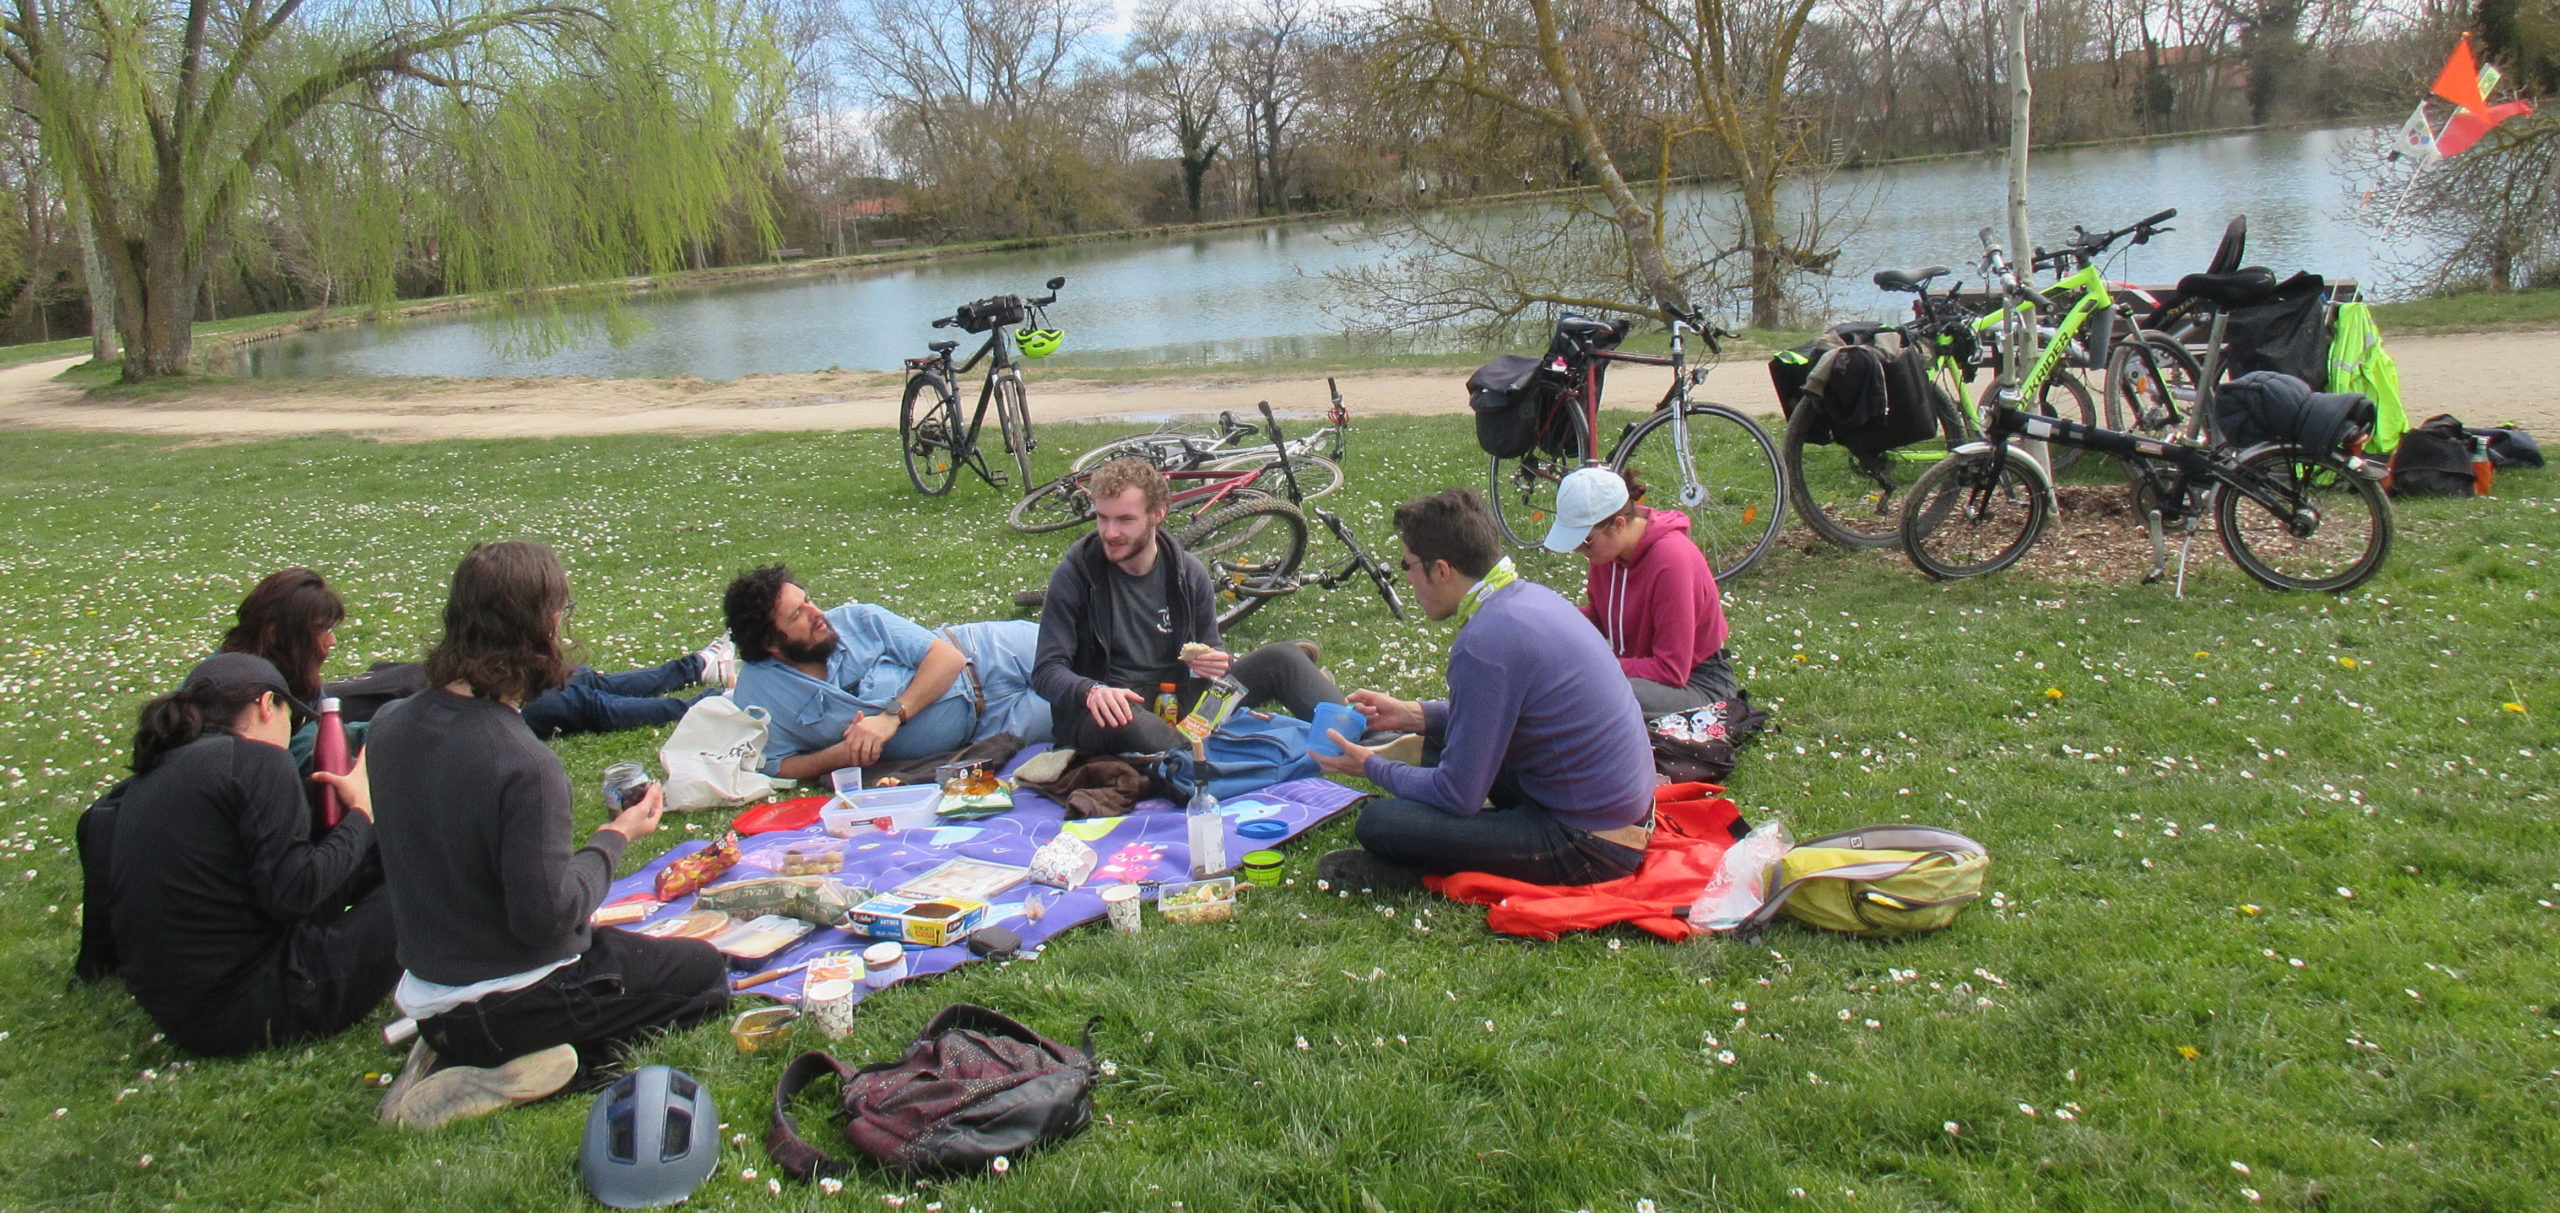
(1236, 296)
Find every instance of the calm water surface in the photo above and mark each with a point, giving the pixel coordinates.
(1242, 295)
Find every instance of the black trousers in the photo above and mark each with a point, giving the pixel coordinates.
(1275, 673)
(326, 975)
(625, 986)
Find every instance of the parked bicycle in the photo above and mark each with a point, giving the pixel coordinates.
(1188, 446)
(931, 439)
(2291, 517)
(1718, 465)
(1252, 546)
(1852, 495)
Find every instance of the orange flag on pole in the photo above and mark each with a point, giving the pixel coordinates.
(2459, 82)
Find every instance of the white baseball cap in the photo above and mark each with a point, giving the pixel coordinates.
(1588, 497)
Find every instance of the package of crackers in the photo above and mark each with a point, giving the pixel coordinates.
(693, 871)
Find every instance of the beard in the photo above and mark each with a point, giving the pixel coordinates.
(811, 653)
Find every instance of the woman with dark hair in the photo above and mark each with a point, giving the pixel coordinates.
(235, 930)
(291, 617)
(513, 989)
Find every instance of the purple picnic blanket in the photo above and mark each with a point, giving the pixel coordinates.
(1148, 846)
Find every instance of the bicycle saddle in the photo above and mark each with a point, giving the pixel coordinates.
(1589, 333)
(944, 347)
(2239, 288)
(1908, 280)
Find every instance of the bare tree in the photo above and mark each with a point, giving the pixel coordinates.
(1261, 56)
(1173, 56)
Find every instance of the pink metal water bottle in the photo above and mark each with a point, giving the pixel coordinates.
(329, 753)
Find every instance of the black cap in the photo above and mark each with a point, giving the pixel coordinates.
(245, 670)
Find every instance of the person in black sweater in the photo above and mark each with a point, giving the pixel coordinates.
(513, 989)
(235, 929)
(1122, 609)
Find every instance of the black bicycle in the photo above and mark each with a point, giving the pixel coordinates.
(931, 438)
(2293, 517)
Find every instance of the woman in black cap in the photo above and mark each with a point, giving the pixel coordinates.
(235, 927)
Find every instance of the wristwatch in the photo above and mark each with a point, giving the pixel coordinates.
(903, 713)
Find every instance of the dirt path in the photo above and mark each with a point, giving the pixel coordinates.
(2481, 377)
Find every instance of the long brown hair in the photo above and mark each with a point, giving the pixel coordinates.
(502, 623)
(281, 620)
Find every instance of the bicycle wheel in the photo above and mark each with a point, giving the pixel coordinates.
(2328, 528)
(1964, 518)
(2151, 396)
(1013, 414)
(1316, 474)
(1252, 549)
(1739, 498)
(1522, 493)
(928, 429)
(1054, 506)
(2066, 397)
(1851, 499)
(1378, 575)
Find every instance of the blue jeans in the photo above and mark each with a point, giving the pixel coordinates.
(594, 702)
(1517, 838)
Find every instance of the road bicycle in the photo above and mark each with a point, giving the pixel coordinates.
(1252, 547)
(1188, 445)
(1708, 461)
(2291, 517)
(1194, 464)
(931, 438)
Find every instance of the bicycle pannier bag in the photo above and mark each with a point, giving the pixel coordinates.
(974, 1087)
(2287, 331)
(1881, 880)
(1506, 396)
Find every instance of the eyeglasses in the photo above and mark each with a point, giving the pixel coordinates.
(1410, 564)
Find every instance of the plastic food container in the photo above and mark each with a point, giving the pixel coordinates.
(1199, 901)
(905, 808)
(762, 1027)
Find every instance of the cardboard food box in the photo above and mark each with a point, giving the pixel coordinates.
(925, 922)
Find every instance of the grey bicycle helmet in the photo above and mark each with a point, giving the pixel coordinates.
(652, 1138)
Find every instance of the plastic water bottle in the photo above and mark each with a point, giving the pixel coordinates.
(329, 753)
(1737, 888)
(2483, 472)
(1167, 705)
(1203, 824)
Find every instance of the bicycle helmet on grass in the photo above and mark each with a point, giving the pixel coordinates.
(652, 1138)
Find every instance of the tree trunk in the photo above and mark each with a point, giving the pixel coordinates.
(101, 289)
(1633, 217)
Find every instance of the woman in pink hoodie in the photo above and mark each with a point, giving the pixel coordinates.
(1649, 592)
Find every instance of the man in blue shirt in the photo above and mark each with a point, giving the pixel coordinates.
(850, 686)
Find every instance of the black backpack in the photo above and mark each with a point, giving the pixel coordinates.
(974, 1087)
(2433, 460)
(1699, 746)
(96, 836)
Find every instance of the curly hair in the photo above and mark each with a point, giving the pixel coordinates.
(281, 620)
(748, 604)
(502, 623)
(1120, 475)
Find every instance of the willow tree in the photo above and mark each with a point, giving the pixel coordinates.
(536, 150)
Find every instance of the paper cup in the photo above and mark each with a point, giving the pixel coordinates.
(831, 1004)
(1121, 902)
(1341, 716)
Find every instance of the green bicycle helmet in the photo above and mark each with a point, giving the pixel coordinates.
(1038, 342)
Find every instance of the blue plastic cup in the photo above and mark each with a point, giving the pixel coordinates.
(1340, 716)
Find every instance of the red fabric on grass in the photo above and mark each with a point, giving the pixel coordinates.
(1693, 826)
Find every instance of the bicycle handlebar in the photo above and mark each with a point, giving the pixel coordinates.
(1995, 265)
(2085, 247)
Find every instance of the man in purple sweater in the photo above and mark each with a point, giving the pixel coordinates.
(1541, 770)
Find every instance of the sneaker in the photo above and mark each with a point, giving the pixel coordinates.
(457, 1092)
(1032, 600)
(719, 663)
(421, 1060)
(1402, 747)
(1354, 868)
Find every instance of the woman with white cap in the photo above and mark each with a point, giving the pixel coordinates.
(1649, 590)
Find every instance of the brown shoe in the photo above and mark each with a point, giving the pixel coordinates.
(458, 1092)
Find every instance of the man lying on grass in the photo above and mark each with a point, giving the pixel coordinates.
(851, 686)
(1538, 718)
(1129, 612)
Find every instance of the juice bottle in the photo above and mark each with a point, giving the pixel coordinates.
(329, 753)
(1167, 705)
(2483, 472)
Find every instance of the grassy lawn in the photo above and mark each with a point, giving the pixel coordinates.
(2475, 310)
(2275, 875)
